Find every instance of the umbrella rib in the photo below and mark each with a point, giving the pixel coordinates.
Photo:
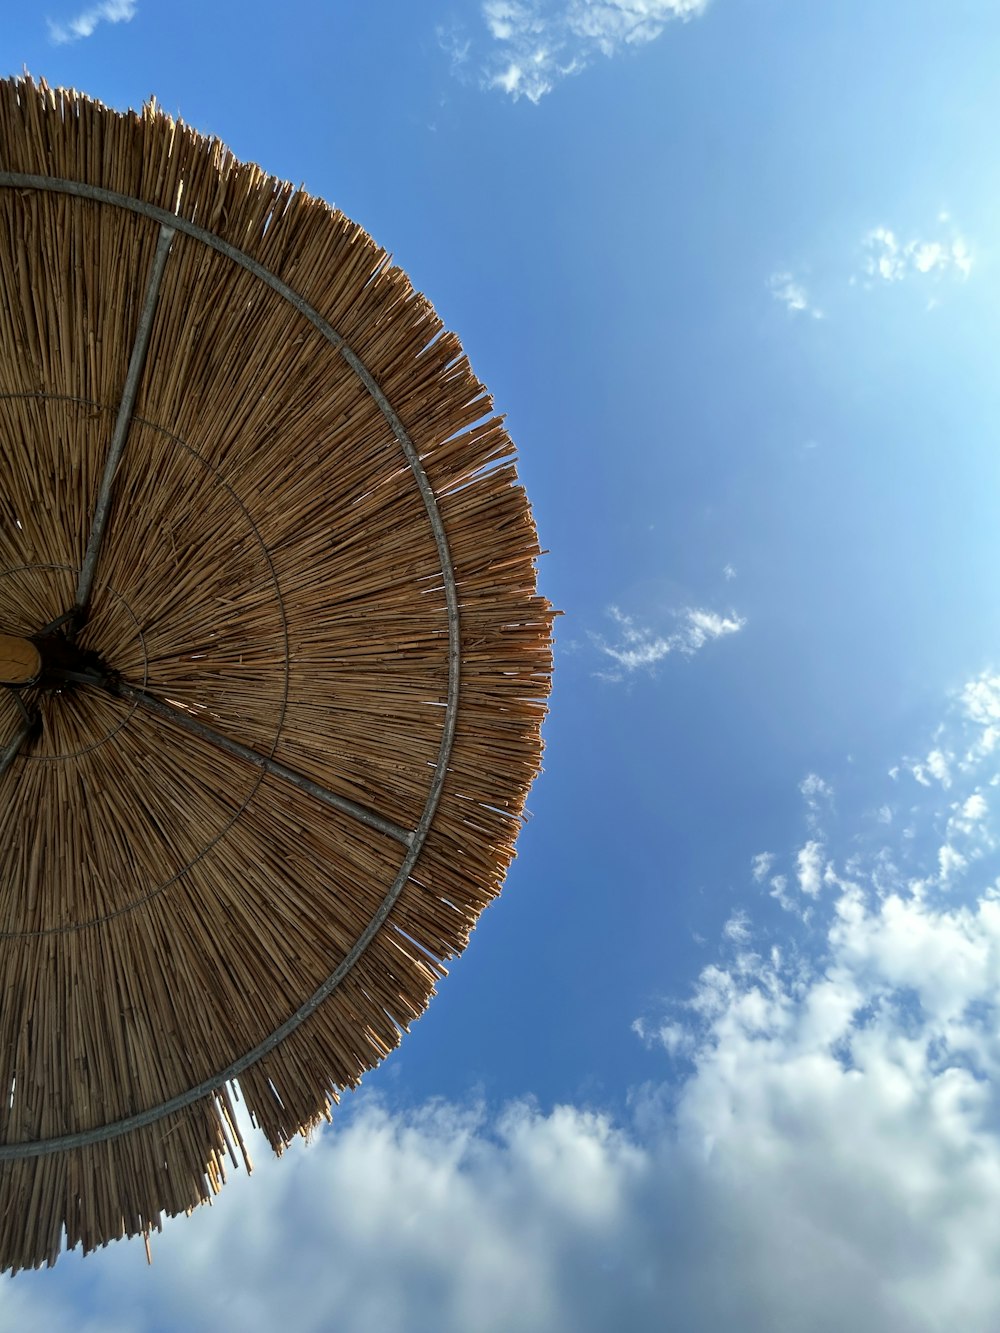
(181, 718)
(137, 360)
(13, 747)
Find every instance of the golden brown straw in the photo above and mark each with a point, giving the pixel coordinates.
(269, 568)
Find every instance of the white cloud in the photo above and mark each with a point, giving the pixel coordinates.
(675, 1038)
(980, 703)
(883, 258)
(442, 1217)
(839, 1127)
(637, 647)
(505, 19)
(812, 872)
(888, 259)
(810, 868)
(976, 736)
(814, 788)
(936, 767)
(737, 928)
(951, 862)
(791, 293)
(761, 866)
(830, 1161)
(611, 24)
(819, 1170)
(83, 25)
(981, 699)
(969, 814)
(701, 626)
(818, 796)
(969, 825)
(779, 891)
(975, 807)
(729, 572)
(537, 43)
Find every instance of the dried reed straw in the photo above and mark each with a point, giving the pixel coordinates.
(270, 567)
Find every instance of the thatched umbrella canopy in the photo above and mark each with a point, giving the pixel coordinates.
(273, 663)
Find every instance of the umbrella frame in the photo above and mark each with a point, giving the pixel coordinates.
(413, 839)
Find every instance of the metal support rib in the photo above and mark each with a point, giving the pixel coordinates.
(102, 508)
(13, 747)
(181, 718)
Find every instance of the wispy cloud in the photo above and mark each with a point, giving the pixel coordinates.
(791, 293)
(981, 706)
(935, 768)
(702, 626)
(968, 815)
(83, 25)
(636, 647)
(887, 258)
(456, 45)
(761, 865)
(534, 44)
(818, 797)
(737, 928)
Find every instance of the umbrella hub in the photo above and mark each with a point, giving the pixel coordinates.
(65, 664)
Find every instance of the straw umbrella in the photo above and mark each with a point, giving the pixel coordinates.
(272, 659)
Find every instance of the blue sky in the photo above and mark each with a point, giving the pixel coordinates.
(724, 1054)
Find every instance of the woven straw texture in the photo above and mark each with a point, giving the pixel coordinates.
(268, 569)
